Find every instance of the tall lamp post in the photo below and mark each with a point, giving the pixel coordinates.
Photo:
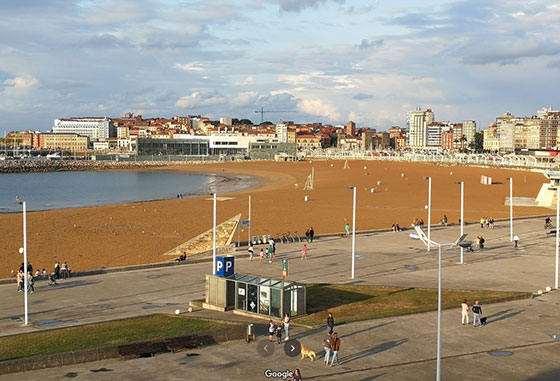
(462, 216)
(353, 230)
(426, 241)
(214, 239)
(557, 189)
(23, 251)
(249, 242)
(510, 208)
(429, 178)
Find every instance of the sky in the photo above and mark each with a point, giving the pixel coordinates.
(326, 61)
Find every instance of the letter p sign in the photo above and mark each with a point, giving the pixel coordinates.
(224, 266)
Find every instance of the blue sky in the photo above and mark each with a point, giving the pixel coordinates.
(329, 60)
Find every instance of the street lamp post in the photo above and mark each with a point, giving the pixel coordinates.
(353, 230)
(421, 236)
(510, 208)
(23, 251)
(557, 236)
(462, 216)
(214, 240)
(249, 231)
(429, 178)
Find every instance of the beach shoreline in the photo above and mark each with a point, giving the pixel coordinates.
(140, 232)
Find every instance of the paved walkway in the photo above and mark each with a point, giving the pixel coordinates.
(391, 348)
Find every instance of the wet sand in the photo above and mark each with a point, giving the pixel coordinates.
(125, 234)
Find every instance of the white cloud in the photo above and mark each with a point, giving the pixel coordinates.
(248, 81)
(198, 100)
(318, 107)
(24, 82)
(189, 66)
(245, 98)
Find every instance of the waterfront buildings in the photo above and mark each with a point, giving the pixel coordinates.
(94, 128)
(417, 123)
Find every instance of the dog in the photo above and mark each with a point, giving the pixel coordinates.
(306, 352)
(483, 321)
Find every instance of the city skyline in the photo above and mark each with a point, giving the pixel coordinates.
(330, 61)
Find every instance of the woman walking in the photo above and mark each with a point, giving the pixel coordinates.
(287, 326)
(464, 312)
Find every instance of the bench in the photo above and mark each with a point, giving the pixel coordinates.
(179, 343)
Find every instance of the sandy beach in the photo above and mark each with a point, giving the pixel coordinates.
(118, 235)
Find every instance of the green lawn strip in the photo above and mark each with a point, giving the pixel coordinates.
(100, 334)
(350, 303)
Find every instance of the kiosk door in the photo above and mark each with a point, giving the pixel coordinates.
(252, 298)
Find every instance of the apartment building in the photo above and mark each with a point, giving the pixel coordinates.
(417, 122)
(93, 128)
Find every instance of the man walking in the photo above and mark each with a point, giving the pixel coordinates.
(327, 346)
(330, 322)
(464, 312)
(311, 234)
(477, 311)
(335, 347)
(251, 252)
(516, 241)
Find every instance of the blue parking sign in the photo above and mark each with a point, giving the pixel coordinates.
(224, 266)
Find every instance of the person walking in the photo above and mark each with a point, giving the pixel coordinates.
(327, 346)
(57, 270)
(330, 322)
(271, 330)
(464, 312)
(286, 322)
(347, 230)
(311, 234)
(251, 252)
(516, 241)
(307, 235)
(270, 254)
(335, 348)
(19, 280)
(304, 252)
(64, 270)
(477, 311)
(279, 333)
(30, 283)
(481, 223)
(262, 255)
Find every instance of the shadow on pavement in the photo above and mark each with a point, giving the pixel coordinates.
(547, 376)
(371, 351)
(367, 329)
(504, 316)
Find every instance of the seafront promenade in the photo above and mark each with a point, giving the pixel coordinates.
(391, 347)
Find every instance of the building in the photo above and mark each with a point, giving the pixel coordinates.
(350, 143)
(282, 132)
(381, 140)
(459, 140)
(433, 133)
(350, 128)
(94, 128)
(447, 140)
(270, 150)
(491, 140)
(469, 131)
(195, 146)
(226, 121)
(308, 143)
(367, 140)
(63, 142)
(417, 122)
(548, 136)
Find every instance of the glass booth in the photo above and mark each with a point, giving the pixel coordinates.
(254, 294)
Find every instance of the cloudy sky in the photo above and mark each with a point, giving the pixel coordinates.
(327, 60)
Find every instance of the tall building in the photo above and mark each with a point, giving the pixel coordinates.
(282, 132)
(469, 130)
(433, 134)
(417, 122)
(491, 139)
(549, 130)
(94, 128)
(505, 125)
(350, 128)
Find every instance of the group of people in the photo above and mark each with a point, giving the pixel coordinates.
(331, 342)
(61, 271)
(277, 329)
(21, 278)
(477, 314)
(418, 222)
(396, 227)
(309, 234)
(266, 255)
(480, 242)
(487, 223)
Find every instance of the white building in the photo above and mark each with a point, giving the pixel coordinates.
(227, 121)
(469, 130)
(94, 128)
(282, 132)
(417, 122)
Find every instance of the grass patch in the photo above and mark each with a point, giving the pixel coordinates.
(350, 303)
(100, 334)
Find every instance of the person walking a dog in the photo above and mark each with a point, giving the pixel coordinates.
(477, 311)
(335, 347)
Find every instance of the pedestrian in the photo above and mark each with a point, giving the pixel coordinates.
(330, 322)
(445, 220)
(307, 235)
(57, 270)
(335, 348)
(297, 376)
(515, 241)
(304, 252)
(491, 222)
(251, 252)
(481, 241)
(327, 346)
(19, 280)
(287, 326)
(44, 273)
(481, 223)
(464, 312)
(347, 230)
(271, 330)
(270, 254)
(477, 311)
(273, 244)
(64, 270)
(279, 333)
(30, 283)
(262, 255)
(311, 234)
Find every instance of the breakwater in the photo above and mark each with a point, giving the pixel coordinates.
(24, 166)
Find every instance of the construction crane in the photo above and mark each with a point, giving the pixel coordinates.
(262, 112)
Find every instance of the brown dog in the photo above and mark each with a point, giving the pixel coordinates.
(306, 352)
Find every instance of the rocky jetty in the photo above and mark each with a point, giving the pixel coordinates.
(23, 166)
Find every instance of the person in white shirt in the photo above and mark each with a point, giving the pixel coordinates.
(515, 241)
(464, 312)
(287, 326)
